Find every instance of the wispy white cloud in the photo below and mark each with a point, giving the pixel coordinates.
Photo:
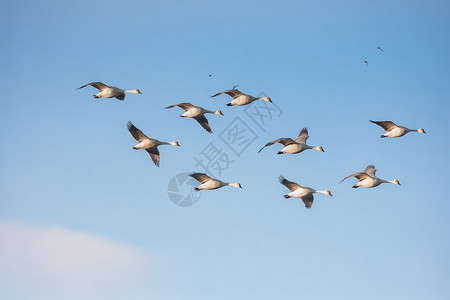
(54, 257)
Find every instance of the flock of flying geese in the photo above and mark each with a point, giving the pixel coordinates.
(365, 178)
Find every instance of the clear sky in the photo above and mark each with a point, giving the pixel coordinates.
(84, 216)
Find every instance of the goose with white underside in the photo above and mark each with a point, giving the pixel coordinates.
(148, 144)
(106, 91)
(303, 192)
(197, 113)
(368, 179)
(393, 130)
(239, 98)
(294, 146)
(208, 183)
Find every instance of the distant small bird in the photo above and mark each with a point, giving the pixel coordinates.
(207, 183)
(148, 144)
(239, 98)
(303, 192)
(294, 146)
(197, 113)
(210, 75)
(366, 62)
(393, 130)
(106, 91)
(368, 179)
(379, 48)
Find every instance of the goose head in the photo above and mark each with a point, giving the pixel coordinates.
(218, 112)
(320, 149)
(421, 130)
(395, 181)
(174, 143)
(328, 193)
(238, 185)
(266, 99)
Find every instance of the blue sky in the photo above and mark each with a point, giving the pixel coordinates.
(80, 208)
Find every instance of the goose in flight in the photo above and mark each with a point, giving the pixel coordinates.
(368, 179)
(106, 91)
(379, 48)
(303, 192)
(366, 62)
(207, 183)
(148, 144)
(393, 130)
(197, 113)
(294, 146)
(239, 98)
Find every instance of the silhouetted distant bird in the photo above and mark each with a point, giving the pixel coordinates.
(294, 146)
(207, 183)
(148, 144)
(368, 179)
(106, 91)
(366, 62)
(197, 113)
(393, 130)
(379, 48)
(210, 75)
(239, 98)
(303, 192)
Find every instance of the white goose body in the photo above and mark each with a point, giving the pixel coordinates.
(106, 91)
(303, 192)
(239, 98)
(294, 146)
(368, 179)
(208, 183)
(393, 130)
(197, 113)
(148, 144)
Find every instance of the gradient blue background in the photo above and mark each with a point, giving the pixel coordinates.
(66, 158)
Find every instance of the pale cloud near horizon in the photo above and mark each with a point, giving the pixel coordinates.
(47, 257)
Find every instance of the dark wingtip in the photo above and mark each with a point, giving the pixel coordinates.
(229, 104)
(279, 152)
(287, 196)
(382, 136)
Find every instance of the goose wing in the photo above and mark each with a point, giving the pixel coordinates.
(136, 133)
(202, 120)
(370, 170)
(232, 93)
(154, 154)
(386, 125)
(302, 136)
(98, 85)
(283, 141)
(308, 200)
(360, 176)
(120, 96)
(290, 185)
(200, 177)
(184, 106)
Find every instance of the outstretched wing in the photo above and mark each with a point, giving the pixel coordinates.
(386, 125)
(290, 185)
(184, 106)
(283, 141)
(302, 136)
(154, 154)
(200, 177)
(202, 120)
(370, 170)
(136, 133)
(98, 85)
(360, 176)
(120, 96)
(232, 93)
(308, 200)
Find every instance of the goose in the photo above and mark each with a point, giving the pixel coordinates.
(303, 192)
(368, 179)
(379, 48)
(294, 146)
(197, 113)
(366, 62)
(393, 130)
(106, 91)
(239, 98)
(148, 144)
(207, 183)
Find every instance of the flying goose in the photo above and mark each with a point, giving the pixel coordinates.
(207, 183)
(197, 113)
(240, 98)
(148, 144)
(294, 146)
(366, 62)
(368, 179)
(106, 91)
(303, 192)
(393, 130)
(379, 48)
